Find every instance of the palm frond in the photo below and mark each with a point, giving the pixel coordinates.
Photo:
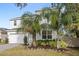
(21, 5)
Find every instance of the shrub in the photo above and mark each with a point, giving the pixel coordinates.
(63, 44)
(3, 41)
(0, 40)
(51, 43)
(43, 43)
(6, 41)
(38, 42)
(25, 40)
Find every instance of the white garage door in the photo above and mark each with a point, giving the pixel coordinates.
(12, 38)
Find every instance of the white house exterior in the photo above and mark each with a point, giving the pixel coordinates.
(15, 37)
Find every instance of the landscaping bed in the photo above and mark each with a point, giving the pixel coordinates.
(22, 51)
(46, 43)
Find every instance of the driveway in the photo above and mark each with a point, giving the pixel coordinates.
(7, 46)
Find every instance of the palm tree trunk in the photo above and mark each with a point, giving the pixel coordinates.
(59, 24)
(34, 40)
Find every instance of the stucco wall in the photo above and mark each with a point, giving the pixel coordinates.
(18, 22)
(39, 36)
(54, 34)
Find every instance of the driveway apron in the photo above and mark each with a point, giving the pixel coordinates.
(7, 46)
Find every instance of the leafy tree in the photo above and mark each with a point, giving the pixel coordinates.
(21, 5)
(60, 17)
(73, 9)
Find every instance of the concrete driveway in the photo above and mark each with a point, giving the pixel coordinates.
(7, 46)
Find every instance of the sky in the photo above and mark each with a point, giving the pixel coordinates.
(9, 11)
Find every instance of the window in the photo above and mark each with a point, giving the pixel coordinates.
(49, 34)
(46, 34)
(14, 22)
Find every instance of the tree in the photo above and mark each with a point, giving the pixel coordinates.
(60, 18)
(30, 23)
(26, 22)
(21, 5)
(53, 15)
(45, 14)
(54, 19)
(73, 9)
(36, 27)
(62, 15)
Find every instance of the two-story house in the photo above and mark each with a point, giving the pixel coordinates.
(15, 37)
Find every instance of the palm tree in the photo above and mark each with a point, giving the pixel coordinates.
(26, 22)
(36, 27)
(54, 16)
(54, 19)
(21, 5)
(56, 23)
(30, 23)
(45, 14)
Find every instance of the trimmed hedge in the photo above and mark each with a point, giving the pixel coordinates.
(51, 43)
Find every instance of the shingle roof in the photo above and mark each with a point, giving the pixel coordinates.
(3, 30)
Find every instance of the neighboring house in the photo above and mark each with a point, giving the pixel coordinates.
(15, 37)
(3, 34)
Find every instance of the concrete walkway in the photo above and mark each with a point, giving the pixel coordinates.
(7, 46)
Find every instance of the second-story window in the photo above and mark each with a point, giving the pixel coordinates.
(15, 23)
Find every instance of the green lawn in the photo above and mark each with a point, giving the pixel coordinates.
(21, 51)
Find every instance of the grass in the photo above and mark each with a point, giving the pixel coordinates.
(22, 51)
(2, 43)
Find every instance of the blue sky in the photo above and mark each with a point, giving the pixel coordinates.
(9, 11)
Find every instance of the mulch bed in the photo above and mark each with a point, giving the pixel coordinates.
(48, 47)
